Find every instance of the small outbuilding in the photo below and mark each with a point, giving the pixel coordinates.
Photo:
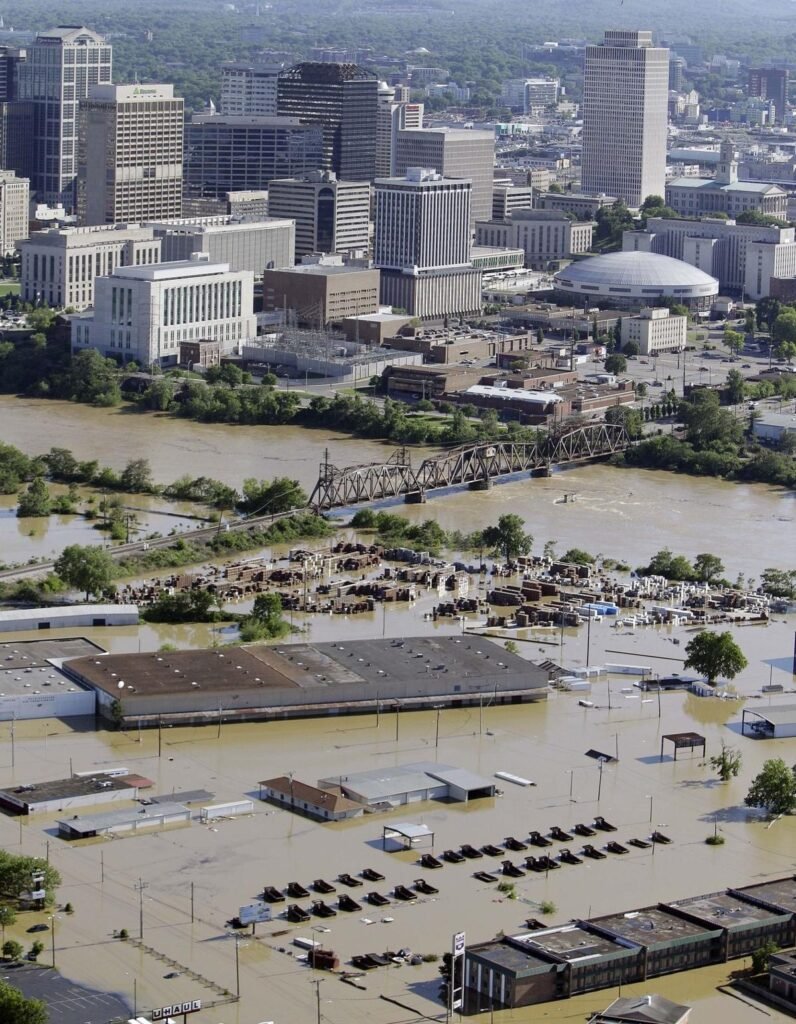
(772, 723)
(407, 835)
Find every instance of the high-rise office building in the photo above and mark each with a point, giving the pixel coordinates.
(130, 140)
(625, 96)
(17, 148)
(11, 57)
(331, 216)
(676, 73)
(14, 203)
(395, 114)
(422, 245)
(343, 99)
(59, 68)
(232, 154)
(771, 84)
(453, 153)
(249, 88)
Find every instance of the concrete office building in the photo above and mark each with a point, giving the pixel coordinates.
(249, 89)
(59, 265)
(625, 117)
(584, 206)
(529, 94)
(343, 100)
(14, 203)
(655, 330)
(394, 114)
(696, 197)
(143, 313)
(771, 84)
(59, 69)
(767, 262)
(453, 153)
(322, 293)
(130, 141)
(544, 236)
(720, 248)
(230, 154)
(422, 245)
(247, 245)
(506, 198)
(331, 216)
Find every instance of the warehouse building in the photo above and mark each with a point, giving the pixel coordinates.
(410, 783)
(22, 619)
(32, 684)
(306, 680)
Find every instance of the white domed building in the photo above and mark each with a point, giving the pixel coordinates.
(632, 280)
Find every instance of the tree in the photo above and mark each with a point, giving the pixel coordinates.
(630, 348)
(136, 477)
(672, 567)
(577, 556)
(733, 340)
(7, 918)
(265, 621)
(778, 582)
(508, 537)
(89, 569)
(762, 956)
(714, 655)
(735, 389)
(627, 417)
(15, 875)
(785, 350)
(774, 788)
(727, 763)
(94, 379)
(615, 363)
(35, 951)
(784, 329)
(12, 950)
(35, 501)
(267, 497)
(652, 202)
(707, 567)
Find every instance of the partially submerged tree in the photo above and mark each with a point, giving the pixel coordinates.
(715, 655)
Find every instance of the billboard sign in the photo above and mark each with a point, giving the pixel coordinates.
(189, 1006)
(253, 913)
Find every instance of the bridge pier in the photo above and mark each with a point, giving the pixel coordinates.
(415, 498)
(481, 485)
(541, 471)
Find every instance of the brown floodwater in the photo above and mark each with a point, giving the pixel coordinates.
(618, 513)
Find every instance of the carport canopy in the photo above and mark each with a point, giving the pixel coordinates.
(407, 834)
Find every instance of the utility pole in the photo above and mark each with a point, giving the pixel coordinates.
(397, 711)
(141, 885)
(237, 967)
(317, 983)
(192, 917)
(436, 738)
(600, 783)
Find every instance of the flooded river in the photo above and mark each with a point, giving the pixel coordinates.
(618, 513)
(623, 514)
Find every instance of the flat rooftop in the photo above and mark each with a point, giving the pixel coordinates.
(90, 823)
(41, 679)
(323, 270)
(67, 789)
(309, 666)
(503, 955)
(570, 943)
(724, 910)
(380, 783)
(170, 271)
(781, 893)
(39, 653)
(649, 926)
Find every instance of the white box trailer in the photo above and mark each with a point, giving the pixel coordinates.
(231, 810)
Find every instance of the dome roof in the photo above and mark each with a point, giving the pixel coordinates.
(634, 270)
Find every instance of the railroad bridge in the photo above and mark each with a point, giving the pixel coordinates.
(476, 465)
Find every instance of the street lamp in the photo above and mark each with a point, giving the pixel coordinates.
(649, 797)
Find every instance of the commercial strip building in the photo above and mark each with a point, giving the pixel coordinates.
(124, 822)
(625, 116)
(252, 244)
(225, 153)
(130, 149)
(632, 280)
(322, 292)
(331, 216)
(307, 680)
(14, 203)
(694, 197)
(66, 794)
(545, 236)
(655, 330)
(143, 313)
(620, 949)
(60, 265)
(744, 258)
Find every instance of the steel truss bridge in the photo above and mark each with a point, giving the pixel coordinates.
(476, 465)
